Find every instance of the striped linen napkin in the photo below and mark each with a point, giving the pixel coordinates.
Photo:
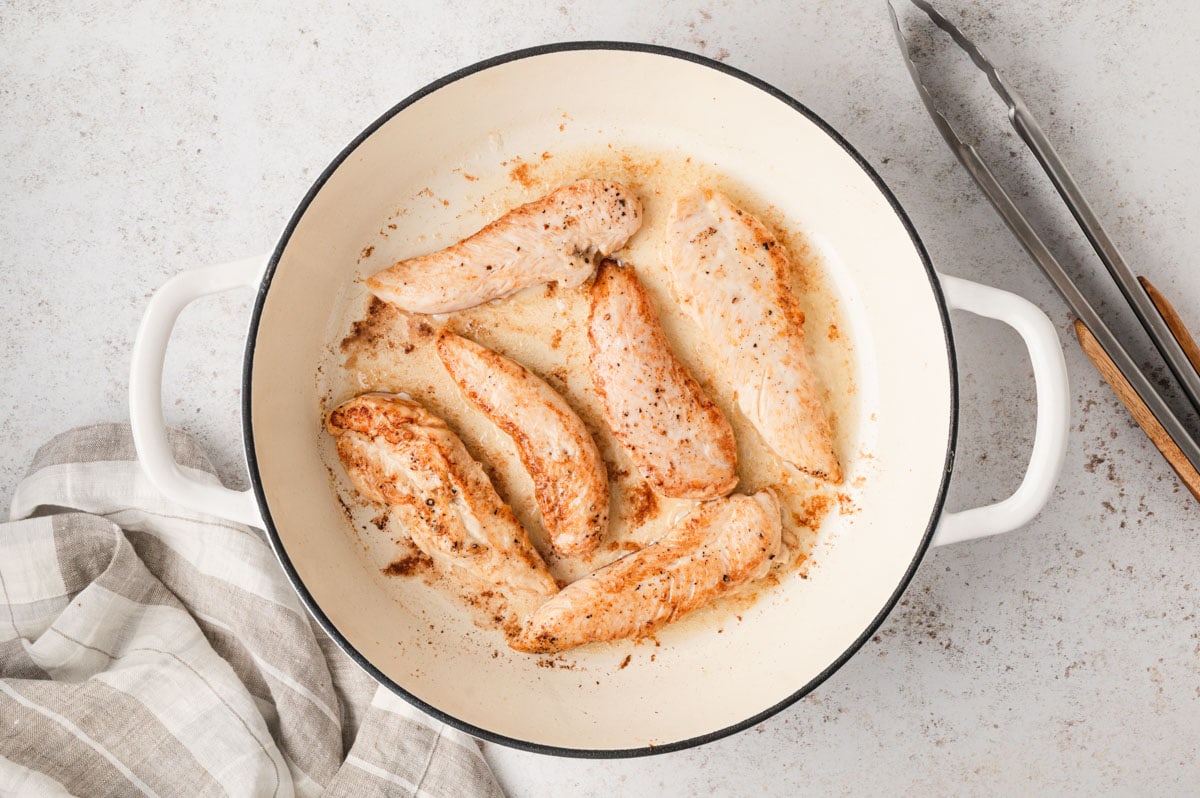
(149, 650)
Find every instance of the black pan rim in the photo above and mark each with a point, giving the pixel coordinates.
(277, 543)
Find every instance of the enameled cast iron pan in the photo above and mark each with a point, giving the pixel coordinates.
(700, 686)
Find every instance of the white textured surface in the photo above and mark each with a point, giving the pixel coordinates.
(139, 140)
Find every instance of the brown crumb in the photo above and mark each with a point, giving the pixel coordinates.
(642, 504)
(520, 174)
(345, 509)
(615, 472)
(625, 662)
(813, 510)
(370, 329)
(409, 565)
(470, 177)
(833, 332)
(366, 253)
(624, 545)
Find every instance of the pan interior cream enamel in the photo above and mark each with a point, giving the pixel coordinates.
(545, 328)
(886, 368)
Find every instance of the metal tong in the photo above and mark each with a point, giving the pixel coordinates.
(1157, 316)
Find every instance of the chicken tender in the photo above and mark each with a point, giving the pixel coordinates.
(555, 238)
(398, 453)
(569, 478)
(721, 545)
(733, 279)
(681, 442)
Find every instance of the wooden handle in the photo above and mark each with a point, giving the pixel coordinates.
(1137, 408)
(1174, 323)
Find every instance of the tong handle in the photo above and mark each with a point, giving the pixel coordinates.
(1165, 338)
(1175, 324)
(1137, 407)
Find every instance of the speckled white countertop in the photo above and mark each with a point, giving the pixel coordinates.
(137, 140)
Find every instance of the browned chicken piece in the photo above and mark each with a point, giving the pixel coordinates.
(569, 479)
(733, 279)
(681, 442)
(555, 238)
(398, 453)
(720, 546)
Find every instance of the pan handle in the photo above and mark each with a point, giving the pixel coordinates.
(145, 392)
(1053, 412)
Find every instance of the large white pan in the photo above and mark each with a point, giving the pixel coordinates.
(699, 685)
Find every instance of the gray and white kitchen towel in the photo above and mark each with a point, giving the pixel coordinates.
(149, 650)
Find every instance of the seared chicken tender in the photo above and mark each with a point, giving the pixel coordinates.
(555, 238)
(569, 479)
(733, 279)
(681, 442)
(720, 546)
(398, 453)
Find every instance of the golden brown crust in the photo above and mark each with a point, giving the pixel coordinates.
(681, 442)
(733, 278)
(554, 238)
(398, 453)
(569, 477)
(719, 546)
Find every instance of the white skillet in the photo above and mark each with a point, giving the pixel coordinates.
(700, 685)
